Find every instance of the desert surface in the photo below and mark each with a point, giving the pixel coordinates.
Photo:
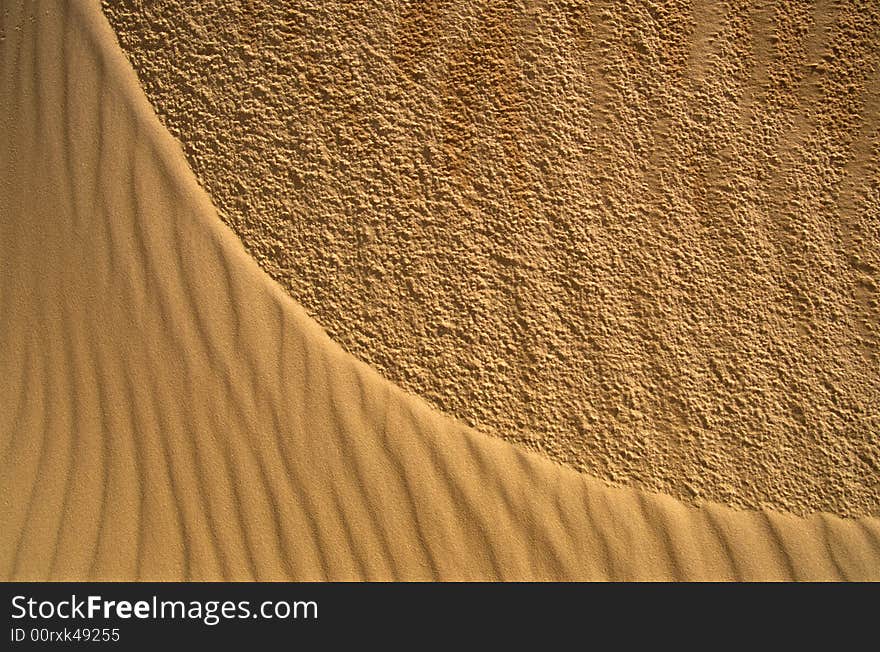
(641, 239)
(171, 412)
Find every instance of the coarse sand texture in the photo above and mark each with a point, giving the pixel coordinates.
(640, 238)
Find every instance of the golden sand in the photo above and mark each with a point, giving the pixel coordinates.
(640, 238)
(170, 412)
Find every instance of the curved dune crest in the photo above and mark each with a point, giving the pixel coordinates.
(170, 413)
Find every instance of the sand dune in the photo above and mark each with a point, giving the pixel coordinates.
(169, 412)
(641, 239)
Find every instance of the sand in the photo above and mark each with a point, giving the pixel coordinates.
(171, 413)
(642, 240)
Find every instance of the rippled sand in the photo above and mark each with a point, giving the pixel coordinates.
(170, 412)
(642, 239)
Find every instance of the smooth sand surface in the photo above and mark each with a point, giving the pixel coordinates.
(640, 238)
(169, 412)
